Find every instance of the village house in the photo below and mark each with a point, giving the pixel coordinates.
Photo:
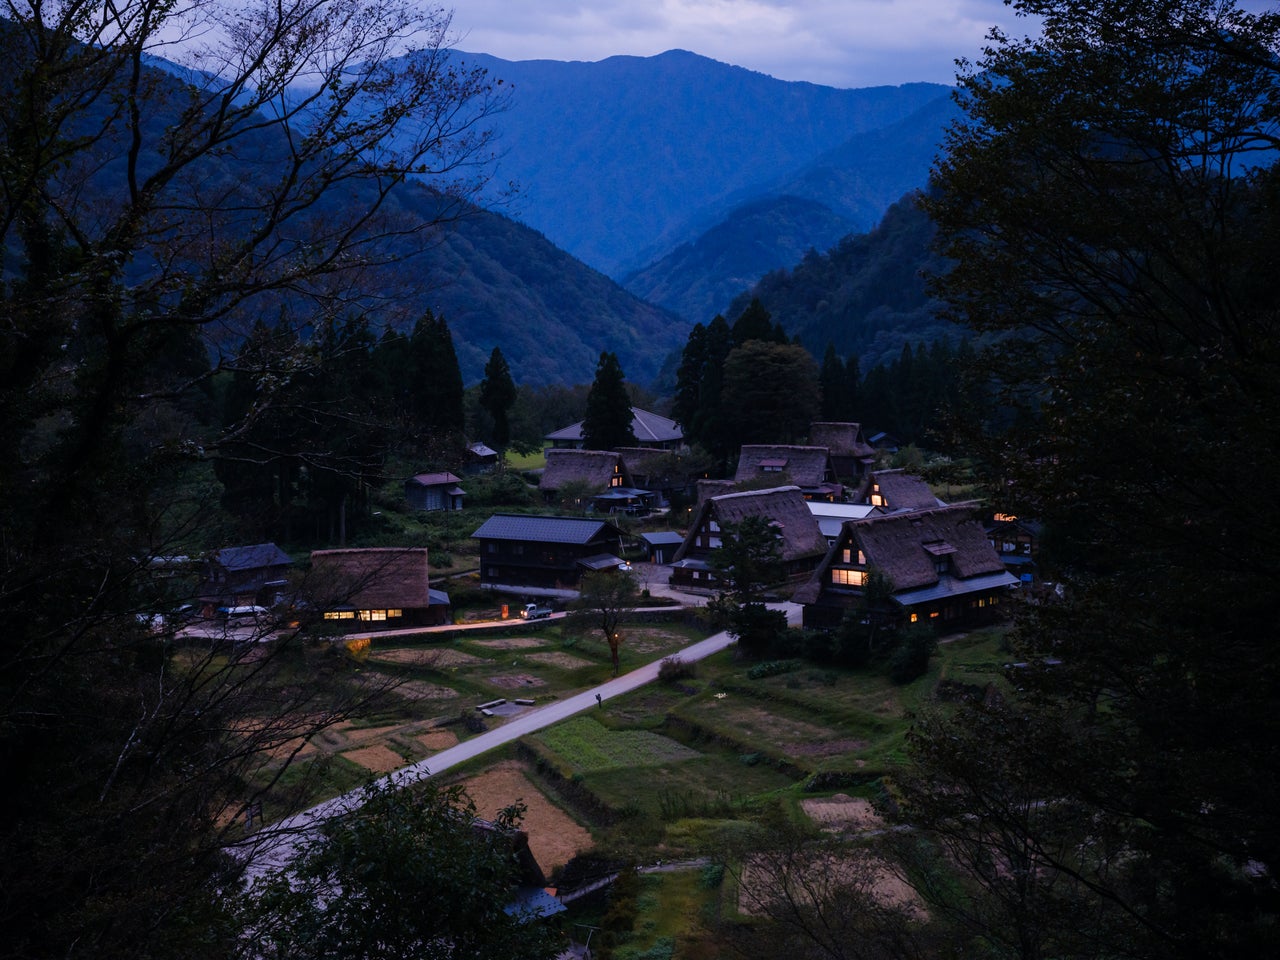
(243, 577)
(1018, 543)
(852, 457)
(800, 541)
(546, 553)
(652, 431)
(434, 491)
(382, 586)
(589, 471)
(890, 490)
(937, 563)
(481, 458)
(808, 468)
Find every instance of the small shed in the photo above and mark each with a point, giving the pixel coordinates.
(662, 545)
(434, 491)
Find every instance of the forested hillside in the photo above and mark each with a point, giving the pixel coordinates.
(866, 296)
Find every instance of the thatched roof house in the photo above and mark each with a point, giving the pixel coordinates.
(385, 585)
(808, 468)
(891, 490)
(851, 456)
(801, 542)
(595, 470)
(939, 565)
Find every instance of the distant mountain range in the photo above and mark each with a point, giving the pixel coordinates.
(624, 161)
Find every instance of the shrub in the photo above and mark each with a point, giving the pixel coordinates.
(673, 668)
(772, 668)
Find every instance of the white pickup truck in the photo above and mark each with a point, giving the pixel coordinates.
(531, 611)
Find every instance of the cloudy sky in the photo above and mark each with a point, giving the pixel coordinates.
(843, 43)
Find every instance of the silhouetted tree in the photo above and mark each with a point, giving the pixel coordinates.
(608, 422)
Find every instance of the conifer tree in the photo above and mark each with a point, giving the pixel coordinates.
(497, 395)
(608, 422)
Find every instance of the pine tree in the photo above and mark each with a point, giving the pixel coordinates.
(497, 395)
(608, 422)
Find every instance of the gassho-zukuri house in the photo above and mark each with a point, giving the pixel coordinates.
(940, 567)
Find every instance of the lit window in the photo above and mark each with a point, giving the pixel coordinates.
(848, 578)
(915, 617)
(862, 559)
(340, 615)
(877, 500)
(395, 613)
(934, 615)
(373, 614)
(846, 556)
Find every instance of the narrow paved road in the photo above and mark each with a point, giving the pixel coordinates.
(273, 847)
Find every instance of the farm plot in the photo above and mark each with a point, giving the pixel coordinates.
(590, 747)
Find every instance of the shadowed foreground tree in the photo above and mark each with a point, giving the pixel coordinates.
(410, 873)
(1113, 219)
(149, 219)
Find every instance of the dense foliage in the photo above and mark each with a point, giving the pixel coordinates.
(1112, 212)
(607, 424)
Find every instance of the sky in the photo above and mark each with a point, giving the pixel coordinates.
(840, 43)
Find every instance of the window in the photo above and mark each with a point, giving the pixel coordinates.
(373, 615)
(340, 615)
(491, 547)
(517, 549)
(862, 559)
(915, 618)
(877, 500)
(846, 556)
(848, 578)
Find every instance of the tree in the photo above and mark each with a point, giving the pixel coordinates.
(497, 396)
(748, 559)
(1111, 225)
(605, 598)
(608, 422)
(410, 872)
(777, 389)
(150, 219)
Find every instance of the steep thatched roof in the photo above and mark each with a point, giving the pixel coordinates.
(784, 507)
(841, 439)
(898, 490)
(594, 468)
(372, 578)
(803, 466)
(714, 488)
(907, 546)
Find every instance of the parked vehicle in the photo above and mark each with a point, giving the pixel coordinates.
(532, 611)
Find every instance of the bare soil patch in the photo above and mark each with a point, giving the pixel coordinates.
(564, 661)
(828, 876)
(434, 657)
(828, 749)
(776, 728)
(377, 758)
(510, 643)
(516, 680)
(554, 837)
(423, 690)
(437, 739)
(842, 813)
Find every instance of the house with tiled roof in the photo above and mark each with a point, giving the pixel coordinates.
(376, 587)
(938, 565)
(652, 430)
(548, 553)
(800, 542)
(254, 575)
(434, 491)
(852, 457)
(808, 468)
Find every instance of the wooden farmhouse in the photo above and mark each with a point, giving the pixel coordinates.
(808, 468)
(548, 553)
(939, 567)
(434, 491)
(249, 576)
(652, 431)
(801, 542)
(382, 586)
(852, 457)
(890, 490)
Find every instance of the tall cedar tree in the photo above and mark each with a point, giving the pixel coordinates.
(608, 422)
(1108, 222)
(149, 220)
(497, 396)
